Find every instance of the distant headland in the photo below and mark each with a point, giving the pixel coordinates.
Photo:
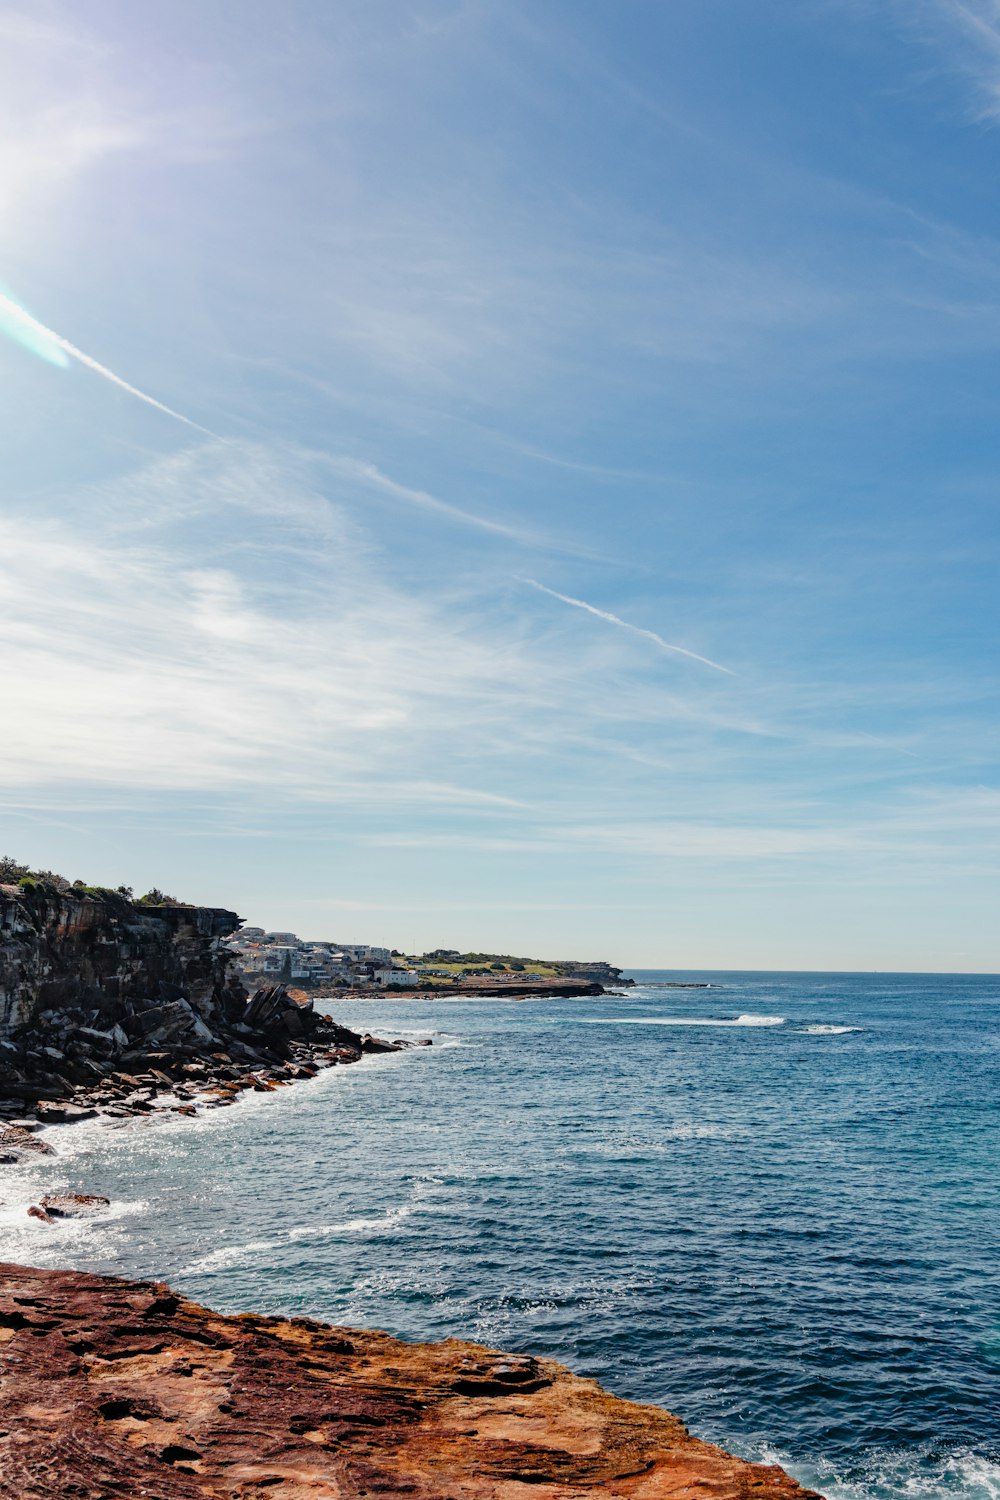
(330, 968)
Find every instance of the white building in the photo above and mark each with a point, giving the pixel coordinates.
(364, 953)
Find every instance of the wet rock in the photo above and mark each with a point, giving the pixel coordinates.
(18, 1142)
(378, 1044)
(68, 1206)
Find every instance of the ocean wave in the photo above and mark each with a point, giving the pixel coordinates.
(35, 1242)
(360, 1225)
(441, 1040)
(672, 984)
(229, 1257)
(960, 1475)
(630, 1143)
(818, 1030)
(744, 1020)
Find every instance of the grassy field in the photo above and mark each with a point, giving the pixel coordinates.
(459, 970)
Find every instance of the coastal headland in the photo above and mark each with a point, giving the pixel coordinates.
(115, 1007)
(112, 1388)
(119, 1007)
(124, 1388)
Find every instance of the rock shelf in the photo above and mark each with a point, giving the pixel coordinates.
(112, 1389)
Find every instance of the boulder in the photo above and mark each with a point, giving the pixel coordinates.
(16, 1142)
(104, 1043)
(63, 1114)
(378, 1044)
(68, 1206)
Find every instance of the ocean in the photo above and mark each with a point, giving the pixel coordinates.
(772, 1206)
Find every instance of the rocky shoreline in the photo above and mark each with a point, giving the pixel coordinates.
(112, 1009)
(113, 1388)
(108, 1388)
(139, 1081)
(175, 1087)
(482, 989)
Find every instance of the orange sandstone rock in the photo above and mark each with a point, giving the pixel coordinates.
(114, 1389)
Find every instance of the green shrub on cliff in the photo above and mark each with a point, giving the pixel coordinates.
(102, 893)
(13, 872)
(43, 883)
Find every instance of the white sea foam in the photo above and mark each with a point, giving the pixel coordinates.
(827, 1030)
(373, 1225)
(745, 1020)
(36, 1242)
(441, 1040)
(229, 1256)
(898, 1476)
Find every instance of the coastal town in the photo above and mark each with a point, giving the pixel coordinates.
(322, 965)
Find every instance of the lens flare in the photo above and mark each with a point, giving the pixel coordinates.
(18, 324)
(27, 331)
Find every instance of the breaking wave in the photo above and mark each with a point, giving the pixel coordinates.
(745, 1020)
(828, 1030)
(960, 1475)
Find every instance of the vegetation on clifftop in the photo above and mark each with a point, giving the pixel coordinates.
(42, 882)
(445, 965)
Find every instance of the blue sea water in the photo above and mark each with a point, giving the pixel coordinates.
(772, 1206)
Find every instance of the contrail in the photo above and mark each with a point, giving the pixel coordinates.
(369, 474)
(26, 330)
(650, 635)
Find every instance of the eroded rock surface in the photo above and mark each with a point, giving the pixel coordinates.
(122, 1389)
(18, 1142)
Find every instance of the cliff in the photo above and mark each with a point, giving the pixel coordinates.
(104, 1003)
(106, 956)
(119, 1388)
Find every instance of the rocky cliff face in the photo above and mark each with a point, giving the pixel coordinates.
(118, 1388)
(108, 958)
(104, 1003)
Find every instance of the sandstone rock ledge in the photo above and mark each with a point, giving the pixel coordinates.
(115, 1388)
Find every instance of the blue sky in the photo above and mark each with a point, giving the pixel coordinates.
(586, 540)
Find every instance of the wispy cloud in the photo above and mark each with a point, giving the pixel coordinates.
(964, 36)
(369, 474)
(649, 635)
(155, 656)
(925, 825)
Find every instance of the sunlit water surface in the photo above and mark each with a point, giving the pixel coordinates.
(773, 1206)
